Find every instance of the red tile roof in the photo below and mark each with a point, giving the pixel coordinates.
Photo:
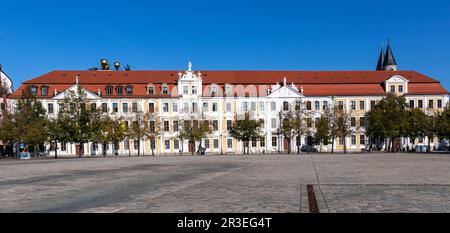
(315, 83)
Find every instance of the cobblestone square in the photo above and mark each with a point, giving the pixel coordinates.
(354, 183)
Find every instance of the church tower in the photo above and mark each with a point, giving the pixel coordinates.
(389, 61)
(380, 65)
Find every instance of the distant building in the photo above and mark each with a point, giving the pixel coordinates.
(220, 96)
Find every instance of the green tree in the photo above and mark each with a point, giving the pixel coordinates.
(332, 117)
(155, 131)
(139, 129)
(417, 124)
(323, 133)
(444, 125)
(245, 130)
(288, 126)
(298, 122)
(193, 130)
(29, 121)
(343, 123)
(431, 129)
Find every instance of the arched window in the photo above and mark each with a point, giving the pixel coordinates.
(150, 89)
(129, 90)
(119, 90)
(109, 90)
(165, 89)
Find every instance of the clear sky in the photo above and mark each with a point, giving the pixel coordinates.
(40, 36)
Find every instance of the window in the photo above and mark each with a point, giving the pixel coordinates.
(308, 122)
(50, 109)
(362, 121)
(151, 90)
(230, 143)
(362, 105)
(420, 103)
(261, 106)
(228, 90)
(392, 89)
(244, 107)
(165, 89)
(175, 107)
(127, 144)
(341, 105)
(325, 105)
(63, 146)
(213, 89)
(439, 103)
(124, 107)
(400, 88)
(119, 90)
(115, 107)
(166, 126)
(207, 144)
(431, 104)
(317, 105)
(362, 139)
(151, 107)
(176, 126)
(214, 107)
(34, 90)
(262, 142)
(341, 140)
(165, 107)
(136, 144)
(129, 90)
(353, 121)
(285, 106)
(194, 107)
(273, 106)
(134, 107)
(229, 125)
(254, 144)
(353, 105)
(186, 107)
(194, 90)
(216, 125)
(153, 144)
(176, 144)
(262, 123)
(253, 106)
(216, 143)
(152, 126)
(353, 139)
(228, 107)
(109, 90)
(411, 104)
(167, 144)
(274, 141)
(104, 107)
(372, 104)
(274, 123)
(93, 106)
(44, 90)
(185, 90)
(308, 105)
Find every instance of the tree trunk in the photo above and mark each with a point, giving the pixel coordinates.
(332, 144)
(56, 150)
(289, 146)
(139, 148)
(345, 145)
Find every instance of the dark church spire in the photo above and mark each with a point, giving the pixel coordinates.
(389, 61)
(380, 65)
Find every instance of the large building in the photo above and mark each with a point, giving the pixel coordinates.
(220, 96)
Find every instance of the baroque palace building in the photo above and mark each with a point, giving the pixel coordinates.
(220, 96)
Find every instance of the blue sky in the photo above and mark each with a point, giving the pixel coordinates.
(40, 36)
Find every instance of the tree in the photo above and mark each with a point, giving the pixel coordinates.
(431, 129)
(139, 129)
(322, 135)
(444, 125)
(7, 128)
(288, 125)
(56, 133)
(344, 127)
(417, 124)
(155, 130)
(78, 118)
(194, 130)
(298, 123)
(332, 118)
(29, 121)
(245, 130)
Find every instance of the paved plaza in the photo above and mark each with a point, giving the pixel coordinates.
(258, 183)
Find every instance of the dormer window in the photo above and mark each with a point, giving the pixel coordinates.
(109, 90)
(119, 90)
(34, 90)
(213, 89)
(150, 89)
(228, 89)
(44, 90)
(129, 90)
(165, 89)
